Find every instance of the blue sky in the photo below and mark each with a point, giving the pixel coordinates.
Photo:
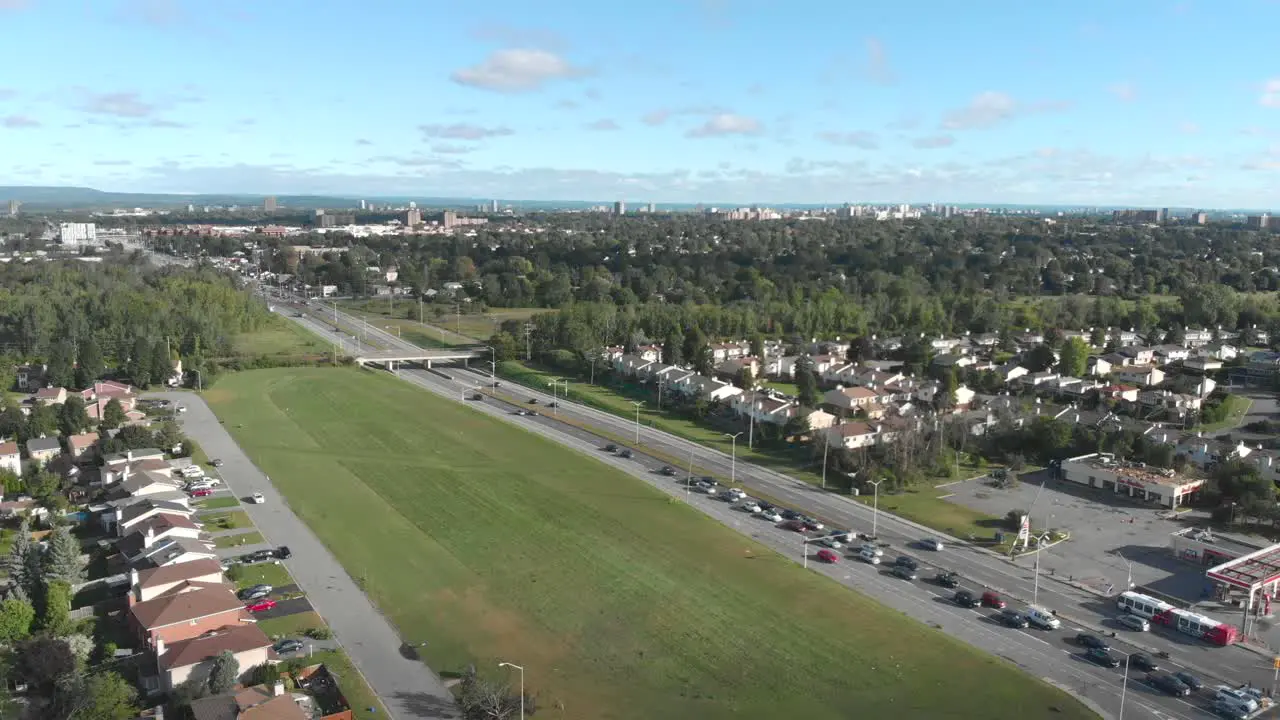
(1140, 102)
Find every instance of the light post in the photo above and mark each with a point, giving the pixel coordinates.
(517, 667)
(825, 445)
(733, 456)
(688, 480)
(493, 368)
(1124, 687)
(875, 506)
(638, 406)
(1035, 589)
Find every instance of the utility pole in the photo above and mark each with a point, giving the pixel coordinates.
(528, 334)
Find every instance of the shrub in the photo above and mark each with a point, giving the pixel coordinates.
(319, 633)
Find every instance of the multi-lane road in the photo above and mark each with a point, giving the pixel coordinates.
(1046, 654)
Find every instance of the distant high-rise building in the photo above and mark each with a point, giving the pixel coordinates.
(653, 207)
(14, 206)
(413, 218)
(269, 204)
(948, 211)
(493, 206)
(1200, 217)
(448, 219)
(78, 234)
(1259, 222)
(1162, 215)
(364, 204)
(191, 208)
(619, 208)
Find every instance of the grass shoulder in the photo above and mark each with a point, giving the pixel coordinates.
(238, 540)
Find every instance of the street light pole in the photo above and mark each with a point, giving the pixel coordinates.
(1124, 687)
(517, 667)
(875, 507)
(733, 457)
(638, 406)
(825, 445)
(688, 480)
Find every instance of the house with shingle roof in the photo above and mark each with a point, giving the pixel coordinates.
(83, 447)
(150, 583)
(11, 457)
(184, 659)
(186, 612)
(43, 449)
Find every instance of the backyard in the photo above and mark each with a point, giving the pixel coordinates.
(620, 602)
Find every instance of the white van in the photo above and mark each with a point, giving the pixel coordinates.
(1042, 618)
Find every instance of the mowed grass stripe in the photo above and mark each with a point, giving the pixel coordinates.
(490, 543)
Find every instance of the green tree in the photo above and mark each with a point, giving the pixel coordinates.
(265, 674)
(10, 482)
(89, 364)
(169, 436)
(18, 564)
(55, 610)
(13, 423)
(746, 379)
(134, 437)
(43, 421)
(673, 349)
(16, 618)
(693, 341)
(42, 485)
(1073, 357)
(61, 365)
(139, 365)
(225, 672)
(72, 416)
(161, 363)
(62, 560)
(112, 415)
(757, 346)
(41, 661)
(806, 382)
(1039, 359)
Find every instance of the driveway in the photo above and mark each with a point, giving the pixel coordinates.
(408, 688)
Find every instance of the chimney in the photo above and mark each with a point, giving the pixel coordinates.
(159, 643)
(133, 578)
(278, 689)
(150, 538)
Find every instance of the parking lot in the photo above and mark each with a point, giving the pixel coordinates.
(1113, 538)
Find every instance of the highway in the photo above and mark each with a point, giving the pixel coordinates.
(1047, 654)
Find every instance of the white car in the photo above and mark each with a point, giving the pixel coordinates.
(195, 487)
(751, 506)
(191, 471)
(832, 543)
(771, 516)
(257, 499)
(869, 557)
(871, 549)
(736, 494)
(182, 408)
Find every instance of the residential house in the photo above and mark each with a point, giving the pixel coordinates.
(1122, 338)
(1128, 393)
(765, 408)
(816, 419)
(985, 340)
(1202, 365)
(884, 366)
(83, 447)
(1118, 360)
(876, 378)
(1193, 385)
(1144, 376)
(1196, 337)
(1166, 354)
(943, 344)
(1139, 355)
(50, 396)
(118, 466)
(1098, 366)
(151, 583)
(852, 435)
(11, 457)
(848, 400)
(823, 363)
(951, 360)
(1011, 372)
(97, 397)
(31, 377)
(173, 551)
(886, 345)
(144, 483)
(729, 351)
(631, 365)
(1220, 349)
(733, 367)
(1030, 337)
(144, 536)
(254, 703)
(1035, 380)
(143, 508)
(186, 612)
(193, 658)
(780, 366)
(709, 389)
(1175, 403)
(652, 353)
(43, 449)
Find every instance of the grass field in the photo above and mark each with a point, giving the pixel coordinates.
(278, 337)
(233, 520)
(267, 573)
(489, 543)
(1237, 408)
(217, 503)
(463, 329)
(228, 541)
(294, 625)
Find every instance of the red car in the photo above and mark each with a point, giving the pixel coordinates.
(793, 525)
(201, 493)
(992, 600)
(828, 556)
(260, 606)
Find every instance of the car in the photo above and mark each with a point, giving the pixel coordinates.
(1101, 657)
(1092, 641)
(215, 462)
(813, 523)
(289, 646)
(907, 561)
(1014, 619)
(992, 599)
(283, 552)
(201, 493)
(947, 579)
(871, 548)
(553, 404)
(750, 506)
(792, 525)
(1189, 680)
(791, 514)
(477, 396)
(182, 408)
(831, 542)
(1231, 696)
(257, 556)
(530, 413)
(931, 543)
(828, 556)
(708, 480)
(257, 498)
(668, 471)
(199, 486)
(965, 599)
(869, 558)
(611, 448)
(260, 606)
(1143, 662)
(533, 401)
(624, 453)
(1224, 709)
(771, 516)
(1133, 622)
(705, 488)
(904, 572)
(1169, 683)
(250, 595)
(736, 494)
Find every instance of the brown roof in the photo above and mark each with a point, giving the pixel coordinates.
(236, 638)
(178, 572)
(9, 448)
(163, 521)
(183, 607)
(83, 440)
(49, 392)
(277, 708)
(859, 392)
(854, 429)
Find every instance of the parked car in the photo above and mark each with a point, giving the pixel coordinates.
(1225, 709)
(289, 646)
(965, 599)
(1014, 619)
(828, 556)
(193, 487)
(907, 561)
(260, 606)
(668, 470)
(1143, 662)
(1232, 696)
(904, 572)
(1101, 657)
(257, 498)
(1133, 622)
(283, 552)
(258, 556)
(251, 595)
(1169, 683)
(931, 543)
(992, 599)
(1189, 680)
(201, 493)
(947, 579)
(1092, 641)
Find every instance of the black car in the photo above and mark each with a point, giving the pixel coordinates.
(964, 598)
(624, 453)
(288, 646)
(283, 552)
(947, 579)
(1092, 641)
(1101, 657)
(259, 556)
(611, 448)
(790, 515)
(533, 401)
(708, 480)
(553, 404)
(907, 562)
(904, 572)
(1014, 619)
(1191, 681)
(668, 470)
(477, 396)
(1169, 683)
(215, 462)
(1143, 662)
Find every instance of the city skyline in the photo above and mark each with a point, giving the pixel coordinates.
(718, 101)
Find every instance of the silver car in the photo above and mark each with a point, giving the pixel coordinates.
(1133, 622)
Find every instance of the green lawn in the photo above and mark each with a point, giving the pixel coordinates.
(249, 538)
(1237, 408)
(783, 387)
(217, 503)
(292, 626)
(279, 337)
(489, 543)
(233, 520)
(267, 573)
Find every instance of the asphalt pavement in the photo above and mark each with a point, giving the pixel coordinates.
(408, 688)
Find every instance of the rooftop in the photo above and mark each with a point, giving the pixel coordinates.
(1133, 471)
(235, 638)
(184, 607)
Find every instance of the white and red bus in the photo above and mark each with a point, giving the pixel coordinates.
(1184, 621)
(1142, 605)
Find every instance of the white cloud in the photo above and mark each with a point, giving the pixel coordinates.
(517, 70)
(603, 124)
(1270, 93)
(1124, 91)
(726, 124)
(655, 118)
(933, 142)
(1188, 128)
(118, 104)
(463, 131)
(448, 149)
(879, 70)
(19, 121)
(989, 109)
(857, 138)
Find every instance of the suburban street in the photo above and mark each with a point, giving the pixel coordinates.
(1045, 654)
(407, 687)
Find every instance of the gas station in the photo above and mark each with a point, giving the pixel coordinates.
(1256, 575)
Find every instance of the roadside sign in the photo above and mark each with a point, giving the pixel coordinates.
(1276, 664)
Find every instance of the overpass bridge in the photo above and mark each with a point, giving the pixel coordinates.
(392, 357)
